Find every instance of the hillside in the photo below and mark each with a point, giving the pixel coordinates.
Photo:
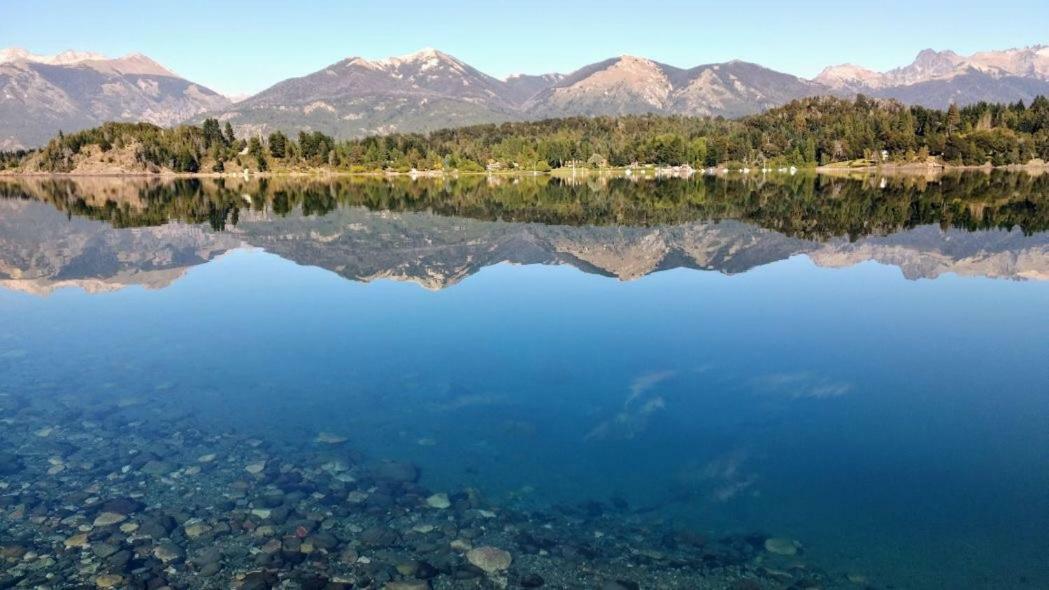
(42, 95)
(806, 132)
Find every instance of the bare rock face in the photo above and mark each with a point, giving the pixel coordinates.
(42, 95)
(937, 78)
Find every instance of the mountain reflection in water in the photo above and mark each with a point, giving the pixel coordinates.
(438, 233)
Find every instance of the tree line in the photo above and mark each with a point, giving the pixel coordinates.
(807, 205)
(805, 132)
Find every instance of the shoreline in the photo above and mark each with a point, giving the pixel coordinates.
(649, 173)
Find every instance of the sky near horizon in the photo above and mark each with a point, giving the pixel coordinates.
(243, 46)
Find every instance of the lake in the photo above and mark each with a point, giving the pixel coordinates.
(745, 383)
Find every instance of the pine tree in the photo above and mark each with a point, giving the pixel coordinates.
(954, 119)
(278, 144)
(230, 137)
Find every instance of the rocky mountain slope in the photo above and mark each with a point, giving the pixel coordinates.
(422, 91)
(42, 95)
(937, 78)
(634, 85)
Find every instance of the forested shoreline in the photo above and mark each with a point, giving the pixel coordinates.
(810, 132)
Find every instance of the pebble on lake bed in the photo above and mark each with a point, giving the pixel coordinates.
(439, 501)
(327, 438)
(490, 559)
(109, 519)
(782, 546)
(109, 581)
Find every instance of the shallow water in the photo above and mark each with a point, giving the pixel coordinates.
(884, 401)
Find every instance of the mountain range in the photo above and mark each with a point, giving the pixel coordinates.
(429, 89)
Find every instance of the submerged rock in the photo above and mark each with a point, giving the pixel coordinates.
(490, 559)
(439, 501)
(109, 581)
(109, 519)
(327, 438)
(782, 546)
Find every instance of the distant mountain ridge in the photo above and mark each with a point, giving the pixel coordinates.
(429, 90)
(41, 95)
(936, 78)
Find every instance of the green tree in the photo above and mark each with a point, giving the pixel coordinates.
(278, 144)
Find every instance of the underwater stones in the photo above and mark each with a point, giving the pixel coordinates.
(262, 580)
(195, 528)
(397, 471)
(357, 497)
(104, 550)
(168, 552)
(255, 468)
(378, 536)
(782, 546)
(123, 506)
(77, 541)
(208, 458)
(156, 468)
(106, 581)
(327, 438)
(490, 559)
(109, 519)
(439, 501)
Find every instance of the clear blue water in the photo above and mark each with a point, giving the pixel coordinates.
(897, 427)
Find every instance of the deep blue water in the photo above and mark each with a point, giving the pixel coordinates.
(898, 428)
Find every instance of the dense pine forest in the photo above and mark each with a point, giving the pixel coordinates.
(804, 133)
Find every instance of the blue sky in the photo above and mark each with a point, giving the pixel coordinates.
(240, 46)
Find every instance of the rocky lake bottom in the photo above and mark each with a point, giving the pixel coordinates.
(114, 494)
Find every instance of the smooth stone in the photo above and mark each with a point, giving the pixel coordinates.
(167, 552)
(109, 519)
(104, 550)
(77, 541)
(255, 468)
(782, 546)
(439, 501)
(327, 438)
(489, 559)
(109, 581)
